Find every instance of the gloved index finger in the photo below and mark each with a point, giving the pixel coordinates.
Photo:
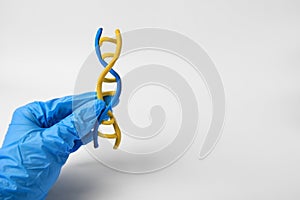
(48, 113)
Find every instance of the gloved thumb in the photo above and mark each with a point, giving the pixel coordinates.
(77, 128)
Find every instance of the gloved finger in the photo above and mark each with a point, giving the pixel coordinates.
(80, 125)
(46, 114)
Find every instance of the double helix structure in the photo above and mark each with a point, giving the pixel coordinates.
(111, 98)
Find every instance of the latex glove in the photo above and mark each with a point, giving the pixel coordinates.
(39, 140)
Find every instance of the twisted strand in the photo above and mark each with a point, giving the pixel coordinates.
(102, 78)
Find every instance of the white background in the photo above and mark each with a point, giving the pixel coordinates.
(255, 46)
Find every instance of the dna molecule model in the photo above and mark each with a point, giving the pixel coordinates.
(111, 98)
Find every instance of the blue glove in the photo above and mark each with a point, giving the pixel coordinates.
(39, 140)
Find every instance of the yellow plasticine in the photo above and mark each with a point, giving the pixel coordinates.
(101, 94)
(107, 39)
(107, 55)
(109, 80)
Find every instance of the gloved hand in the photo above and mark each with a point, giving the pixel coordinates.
(39, 140)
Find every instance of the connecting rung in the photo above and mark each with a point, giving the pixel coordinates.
(108, 122)
(109, 80)
(109, 136)
(107, 39)
(108, 93)
(107, 55)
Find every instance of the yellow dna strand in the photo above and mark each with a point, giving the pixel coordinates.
(104, 79)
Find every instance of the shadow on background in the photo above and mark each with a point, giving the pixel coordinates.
(77, 182)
